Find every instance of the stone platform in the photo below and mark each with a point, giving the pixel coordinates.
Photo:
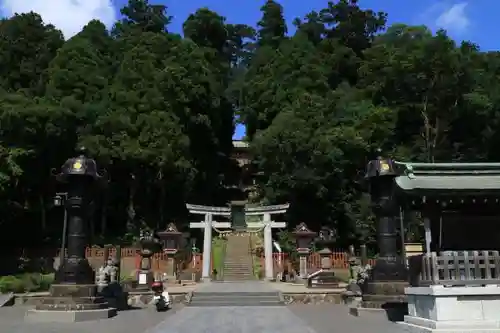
(291, 293)
(71, 316)
(71, 303)
(453, 309)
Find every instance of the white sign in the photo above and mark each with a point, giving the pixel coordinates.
(143, 278)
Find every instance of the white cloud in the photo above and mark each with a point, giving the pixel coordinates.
(70, 16)
(443, 15)
(454, 18)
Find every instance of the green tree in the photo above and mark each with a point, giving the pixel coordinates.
(26, 48)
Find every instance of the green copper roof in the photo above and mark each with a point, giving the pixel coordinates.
(468, 177)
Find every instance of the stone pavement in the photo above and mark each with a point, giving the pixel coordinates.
(334, 318)
(131, 321)
(324, 318)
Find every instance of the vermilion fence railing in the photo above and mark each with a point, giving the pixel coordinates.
(130, 255)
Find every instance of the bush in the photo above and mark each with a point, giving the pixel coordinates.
(11, 284)
(29, 282)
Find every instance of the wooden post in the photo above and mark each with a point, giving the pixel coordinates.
(105, 254)
(118, 259)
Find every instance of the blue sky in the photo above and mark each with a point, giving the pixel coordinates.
(469, 20)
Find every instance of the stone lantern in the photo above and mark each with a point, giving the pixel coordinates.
(171, 239)
(326, 258)
(148, 246)
(303, 237)
(326, 238)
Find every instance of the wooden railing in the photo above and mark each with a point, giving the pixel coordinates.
(458, 268)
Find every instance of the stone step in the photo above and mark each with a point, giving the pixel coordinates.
(235, 299)
(209, 303)
(238, 269)
(239, 265)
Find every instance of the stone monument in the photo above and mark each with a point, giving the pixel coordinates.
(74, 295)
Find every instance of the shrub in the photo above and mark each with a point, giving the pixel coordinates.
(28, 282)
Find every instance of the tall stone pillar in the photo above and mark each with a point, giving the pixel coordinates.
(268, 248)
(207, 249)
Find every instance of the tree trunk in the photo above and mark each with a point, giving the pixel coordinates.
(43, 213)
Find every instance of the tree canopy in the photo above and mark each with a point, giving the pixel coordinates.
(158, 111)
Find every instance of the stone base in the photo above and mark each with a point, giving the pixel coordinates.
(394, 288)
(389, 269)
(453, 309)
(388, 296)
(421, 325)
(47, 316)
(73, 290)
(66, 297)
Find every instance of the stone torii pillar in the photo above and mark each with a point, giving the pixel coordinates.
(207, 224)
(266, 212)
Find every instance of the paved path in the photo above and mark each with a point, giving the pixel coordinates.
(324, 318)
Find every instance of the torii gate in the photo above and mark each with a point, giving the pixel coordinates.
(266, 223)
(208, 223)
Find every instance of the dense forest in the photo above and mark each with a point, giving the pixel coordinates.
(158, 110)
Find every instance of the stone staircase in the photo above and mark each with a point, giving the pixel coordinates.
(263, 298)
(238, 264)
